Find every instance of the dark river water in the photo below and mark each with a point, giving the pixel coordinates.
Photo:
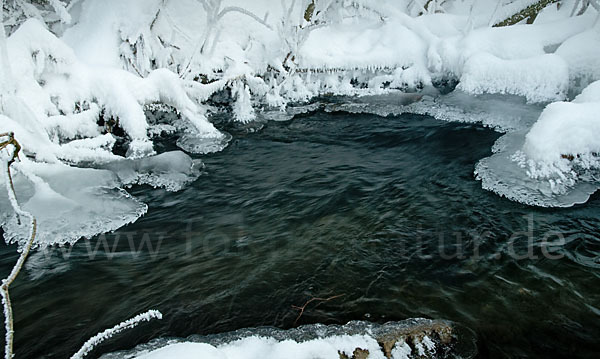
(383, 214)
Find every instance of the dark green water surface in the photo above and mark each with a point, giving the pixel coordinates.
(383, 214)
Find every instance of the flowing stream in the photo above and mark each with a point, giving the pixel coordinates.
(382, 214)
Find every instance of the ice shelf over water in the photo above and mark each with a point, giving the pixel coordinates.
(169, 170)
(70, 202)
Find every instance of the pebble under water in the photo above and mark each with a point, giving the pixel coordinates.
(383, 215)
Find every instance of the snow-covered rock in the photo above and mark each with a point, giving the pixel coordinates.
(556, 162)
(566, 136)
(412, 338)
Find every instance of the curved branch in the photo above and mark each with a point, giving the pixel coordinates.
(241, 10)
(91, 343)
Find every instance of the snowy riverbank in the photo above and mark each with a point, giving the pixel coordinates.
(78, 94)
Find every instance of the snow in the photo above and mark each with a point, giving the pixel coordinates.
(401, 351)
(82, 82)
(360, 45)
(582, 54)
(590, 94)
(94, 37)
(565, 128)
(54, 114)
(539, 79)
(242, 109)
(58, 83)
(566, 136)
(269, 348)
(427, 337)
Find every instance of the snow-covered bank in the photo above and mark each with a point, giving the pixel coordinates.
(414, 338)
(78, 94)
(567, 130)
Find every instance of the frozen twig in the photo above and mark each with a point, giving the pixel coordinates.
(109, 333)
(214, 15)
(11, 146)
(250, 14)
(61, 11)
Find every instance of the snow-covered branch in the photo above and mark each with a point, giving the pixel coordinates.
(94, 341)
(241, 10)
(48, 11)
(9, 151)
(518, 11)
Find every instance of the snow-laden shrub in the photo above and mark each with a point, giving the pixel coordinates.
(143, 49)
(48, 11)
(70, 95)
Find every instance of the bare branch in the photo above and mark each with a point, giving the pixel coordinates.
(229, 9)
(314, 299)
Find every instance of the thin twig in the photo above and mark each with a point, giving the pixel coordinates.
(314, 299)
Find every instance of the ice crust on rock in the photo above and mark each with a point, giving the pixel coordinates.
(191, 142)
(504, 113)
